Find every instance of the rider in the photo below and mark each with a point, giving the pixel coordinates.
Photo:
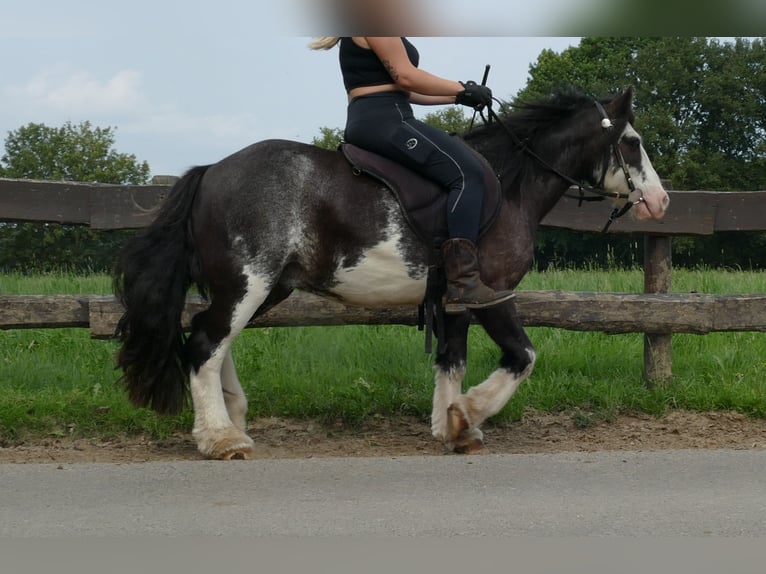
(382, 78)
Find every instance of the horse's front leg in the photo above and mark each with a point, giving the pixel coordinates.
(450, 370)
(467, 412)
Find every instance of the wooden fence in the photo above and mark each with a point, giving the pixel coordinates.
(657, 313)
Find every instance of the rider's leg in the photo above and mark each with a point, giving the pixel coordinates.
(387, 126)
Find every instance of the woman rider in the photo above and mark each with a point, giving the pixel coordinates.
(382, 78)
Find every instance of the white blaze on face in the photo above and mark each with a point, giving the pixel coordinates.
(381, 277)
(647, 182)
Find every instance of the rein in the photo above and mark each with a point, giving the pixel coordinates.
(598, 191)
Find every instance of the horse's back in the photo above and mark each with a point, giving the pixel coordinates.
(273, 164)
(265, 184)
(282, 204)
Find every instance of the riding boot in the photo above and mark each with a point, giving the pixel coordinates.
(465, 289)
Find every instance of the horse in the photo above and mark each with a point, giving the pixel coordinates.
(280, 215)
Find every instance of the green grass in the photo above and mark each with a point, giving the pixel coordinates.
(54, 283)
(57, 382)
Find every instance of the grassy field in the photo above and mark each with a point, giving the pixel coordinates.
(58, 382)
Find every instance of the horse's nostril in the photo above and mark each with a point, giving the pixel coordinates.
(665, 201)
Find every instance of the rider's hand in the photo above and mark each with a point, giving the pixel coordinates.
(474, 95)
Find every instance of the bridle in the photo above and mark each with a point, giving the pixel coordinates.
(598, 191)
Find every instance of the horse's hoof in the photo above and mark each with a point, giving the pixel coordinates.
(238, 454)
(457, 422)
(471, 446)
(469, 442)
(231, 444)
(240, 451)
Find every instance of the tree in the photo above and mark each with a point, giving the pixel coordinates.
(699, 102)
(70, 153)
(329, 138)
(73, 153)
(700, 109)
(451, 119)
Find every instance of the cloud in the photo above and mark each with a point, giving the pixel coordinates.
(78, 92)
(177, 123)
(60, 93)
(155, 121)
(173, 140)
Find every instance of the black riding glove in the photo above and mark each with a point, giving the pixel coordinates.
(474, 96)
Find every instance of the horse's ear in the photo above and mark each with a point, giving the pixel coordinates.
(621, 105)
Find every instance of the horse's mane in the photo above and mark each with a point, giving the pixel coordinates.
(529, 119)
(530, 122)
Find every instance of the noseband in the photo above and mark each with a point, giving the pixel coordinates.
(598, 191)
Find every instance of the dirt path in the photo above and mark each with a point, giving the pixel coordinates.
(405, 436)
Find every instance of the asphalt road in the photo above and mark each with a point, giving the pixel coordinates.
(671, 493)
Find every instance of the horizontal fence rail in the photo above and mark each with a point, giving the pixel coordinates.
(104, 206)
(657, 313)
(577, 311)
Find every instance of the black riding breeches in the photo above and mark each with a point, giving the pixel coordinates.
(384, 123)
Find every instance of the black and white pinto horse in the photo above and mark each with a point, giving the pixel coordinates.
(279, 216)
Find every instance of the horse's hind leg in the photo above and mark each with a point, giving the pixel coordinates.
(233, 395)
(470, 410)
(219, 422)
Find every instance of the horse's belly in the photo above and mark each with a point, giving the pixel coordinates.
(381, 278)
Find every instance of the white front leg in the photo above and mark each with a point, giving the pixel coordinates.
(468, 411)
(447, 388)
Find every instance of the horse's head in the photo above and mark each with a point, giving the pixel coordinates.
(626, 173)
(571, 137)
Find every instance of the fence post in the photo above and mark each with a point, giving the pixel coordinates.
(164, 179)
(657, 279)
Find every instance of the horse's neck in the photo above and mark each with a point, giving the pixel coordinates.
(537, 188)
(540, 193)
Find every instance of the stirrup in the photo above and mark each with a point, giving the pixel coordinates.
(493, 302)
(457, 307)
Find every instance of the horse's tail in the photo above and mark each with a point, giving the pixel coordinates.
(151, 278)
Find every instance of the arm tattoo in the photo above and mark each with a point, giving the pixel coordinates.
(391, 70)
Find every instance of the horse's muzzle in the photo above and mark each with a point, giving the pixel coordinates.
(654, 205)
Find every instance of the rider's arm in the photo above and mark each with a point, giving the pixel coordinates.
(393, 54)
(424, 100)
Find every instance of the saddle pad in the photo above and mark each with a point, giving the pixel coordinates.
(423, 202)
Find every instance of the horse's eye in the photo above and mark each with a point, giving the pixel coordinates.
(632, 142)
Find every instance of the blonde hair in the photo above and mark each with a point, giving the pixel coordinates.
(324, 42)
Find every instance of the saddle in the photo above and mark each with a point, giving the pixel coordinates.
(424, 206)
(423, 202)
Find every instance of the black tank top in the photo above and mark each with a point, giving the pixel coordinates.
(361, 66)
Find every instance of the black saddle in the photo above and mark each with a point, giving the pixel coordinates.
(423, 202)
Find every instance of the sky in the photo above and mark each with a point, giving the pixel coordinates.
(187, 83)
